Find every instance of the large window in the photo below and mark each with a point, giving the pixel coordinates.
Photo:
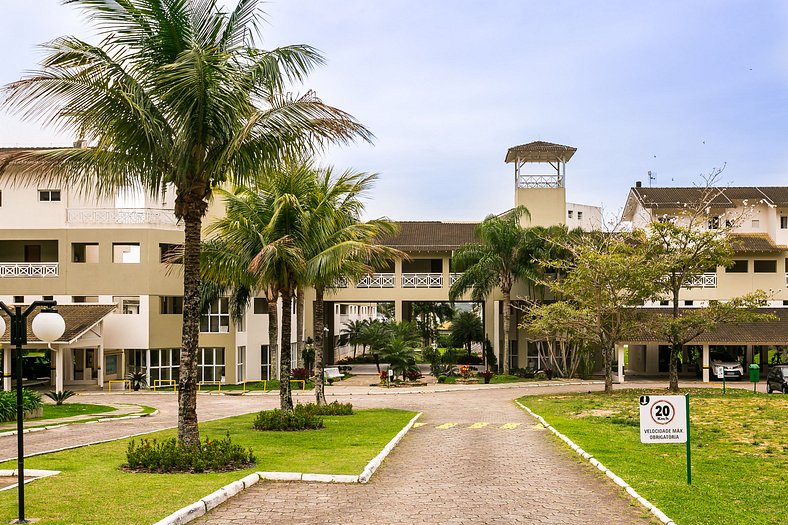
(125, 253)
(514, 358)
(784, 223)
(216, 318)
(170, 304)
(170, 253)
(240, 364)
(260, 306)
(765, 266)
(49, 195)
(84, 252)
(210, 364)
(128, 305)
(164, 364)
(739, 266)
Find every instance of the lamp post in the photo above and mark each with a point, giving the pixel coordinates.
(47, 326)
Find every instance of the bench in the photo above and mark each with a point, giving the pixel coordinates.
(332, 373)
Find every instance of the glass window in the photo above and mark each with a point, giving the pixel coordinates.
(784, 223)
(19, 299)
(265, 362)
(126, 253)
(164, 364)
(260, 306)
(739, 266)
(171, 304)
(240, 364)
(579, 215)
(514, 360)
(129, 305)
(714, 223)
(569, 213)
(216, 318)
(170, 253)
(210, 364)
(84, 299)
(756, 223)
(240, 325)
(49, 195)
(765, 266)
(84, 252)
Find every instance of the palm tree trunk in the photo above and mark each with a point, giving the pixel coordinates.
(273, 330)
(188, 432)
(506, 320)
(300, 326)
(285, 394)
(320, 394)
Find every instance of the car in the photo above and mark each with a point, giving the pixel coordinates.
(721, 364)
(777, 380)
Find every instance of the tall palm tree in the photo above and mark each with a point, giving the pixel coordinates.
(351, 334)
(175, 94)
(466, 328)
(498, 259)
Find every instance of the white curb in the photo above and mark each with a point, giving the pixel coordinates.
(102, 420)
(606, 471)
(34, 474)
(373, 465)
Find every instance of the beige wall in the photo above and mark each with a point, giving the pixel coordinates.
(547, 205)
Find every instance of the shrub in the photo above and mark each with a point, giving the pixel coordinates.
(331, 409)
(288, 421)
(300, 374)
(413, 375)
(540, 375)
(59, 397)
(486, 375)
(474, 359)
(167, 455)
(359, 359)
(441, 379)
(31, 400)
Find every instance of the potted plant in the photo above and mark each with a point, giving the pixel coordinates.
(138, 379)
(487, 375)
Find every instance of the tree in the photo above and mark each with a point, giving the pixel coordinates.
(175, 94)
(429, 315)
(498, 259)
(376, 335)
(352, 334)
(399, 350)
(466, 329)
(563, 335)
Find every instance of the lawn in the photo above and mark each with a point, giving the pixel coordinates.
(257, 386)
(498, 379)
(72, 409)
(92, 489)
(739, 452)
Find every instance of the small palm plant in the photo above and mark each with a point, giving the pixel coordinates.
(138, 379)
(60, 397)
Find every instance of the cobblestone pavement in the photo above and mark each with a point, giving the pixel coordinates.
(451, 474)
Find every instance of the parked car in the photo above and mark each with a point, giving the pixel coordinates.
(777, 380)
(720, 363)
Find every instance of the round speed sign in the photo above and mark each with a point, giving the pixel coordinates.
(662, 412)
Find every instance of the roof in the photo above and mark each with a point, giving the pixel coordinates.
(665, 197)
(79, 319)
(540, 151)
(763, 332)
(754, 243)
(431, 235)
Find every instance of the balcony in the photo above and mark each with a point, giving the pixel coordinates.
(27, 269)
(704, 280)
(376, 280)
(151, 216)
(422, 280)
(453, 278)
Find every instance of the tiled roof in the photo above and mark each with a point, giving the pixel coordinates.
(431, 235)
(754, 243)
(79, 318)
(540, 151)
(764, 332)
(665, 197)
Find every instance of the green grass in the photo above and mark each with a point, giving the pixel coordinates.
(739, 452)
(93, 490)
(72, 409)
(256, 386)
(497, 379)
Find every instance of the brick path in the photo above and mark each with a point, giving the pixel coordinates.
(450, 476)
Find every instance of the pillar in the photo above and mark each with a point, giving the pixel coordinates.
(398, 310)
(6, 367)
(59, 372)
(100, 366)
(705, 363)
(620, 350)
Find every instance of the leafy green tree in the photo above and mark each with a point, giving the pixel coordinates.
(175, 94)
(376, 335)
(352, 334)
(466, 329)
(428, 316)
(500, 257)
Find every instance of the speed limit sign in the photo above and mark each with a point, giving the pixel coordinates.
(663, 419)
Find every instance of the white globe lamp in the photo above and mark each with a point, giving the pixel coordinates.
(48, 325)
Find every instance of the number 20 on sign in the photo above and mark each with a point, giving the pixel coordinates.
(665, 419)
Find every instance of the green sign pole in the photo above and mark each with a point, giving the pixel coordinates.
(689, 454)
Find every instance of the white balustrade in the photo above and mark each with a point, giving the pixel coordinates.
(703, 280)
(453, 278)
(121, 216)
(376, 280)
(26, 269)
(422, 280)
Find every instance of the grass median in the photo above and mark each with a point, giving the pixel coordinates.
(739, 451)
(92, 489)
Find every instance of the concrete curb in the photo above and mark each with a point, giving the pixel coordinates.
(102, 420)
(33, 473)
(606, 471)
(214, 499)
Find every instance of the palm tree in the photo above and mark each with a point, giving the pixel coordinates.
(498, 259)
(376, 335)
(176, 94)
(428, 315)
(351, 334)
(466, 328)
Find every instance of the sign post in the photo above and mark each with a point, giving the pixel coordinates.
(665, 419)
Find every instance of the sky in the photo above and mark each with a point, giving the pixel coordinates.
(677, 88)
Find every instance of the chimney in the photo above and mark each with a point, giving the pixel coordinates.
(638, 184)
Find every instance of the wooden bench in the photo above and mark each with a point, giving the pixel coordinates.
(332, 373)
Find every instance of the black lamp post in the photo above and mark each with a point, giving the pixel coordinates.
(47, 326)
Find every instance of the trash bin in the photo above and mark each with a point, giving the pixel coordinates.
(755, 373)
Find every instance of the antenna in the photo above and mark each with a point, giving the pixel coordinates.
(651, 177)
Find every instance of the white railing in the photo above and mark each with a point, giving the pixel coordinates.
(422, 280)
(453, 278)
(376, 280)
(26, 269)
(704, 280)
(340, 283)
(121, 216)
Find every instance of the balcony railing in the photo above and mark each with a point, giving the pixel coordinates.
(703, 280)
(26, 269)
(376, 280)
(453, 278)
(422, 280)
(121, 216)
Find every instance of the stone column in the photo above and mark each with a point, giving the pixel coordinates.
(6, 367)
(100, 366)
(705, 363)
(59, 372)
(620, 350)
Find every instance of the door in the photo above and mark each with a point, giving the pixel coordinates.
(32, 253)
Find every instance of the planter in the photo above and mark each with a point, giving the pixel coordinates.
(469, 381)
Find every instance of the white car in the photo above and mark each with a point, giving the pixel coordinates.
(723, 365)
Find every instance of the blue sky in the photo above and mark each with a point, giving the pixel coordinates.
(675, 87)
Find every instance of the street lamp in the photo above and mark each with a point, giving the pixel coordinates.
(47, 326)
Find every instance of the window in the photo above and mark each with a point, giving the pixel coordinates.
(664, 219)
(240, 324)
(164, 364)
(171, 304)
(240, 364)
(784, 222)
(714, 223)
(170, 253)
(48, 297)
(756, 223)
(689, 303)
(84, 299)
(84, 252)
(569, 213)
(265, 362)
(216, 318)
(785, 302)
(579, 215)
(127, 305)
(739, 266)
(210, 364)
(514, 359)
(49, 195)
(125, 253)
(1, 198)
(260, 306)
(765, 266)
(136, 360)
(664, 303)
(19, 299)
